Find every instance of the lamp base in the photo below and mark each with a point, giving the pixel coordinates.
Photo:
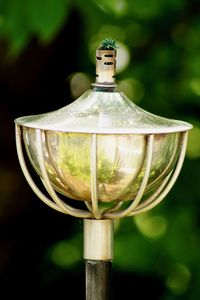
(98, 254)
(98, 239)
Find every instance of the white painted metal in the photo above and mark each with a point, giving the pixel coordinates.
(136, 201)
(98, 239)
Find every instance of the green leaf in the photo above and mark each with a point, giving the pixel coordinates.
(47, 16)
(21, 19)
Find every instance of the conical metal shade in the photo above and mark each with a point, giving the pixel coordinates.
(106, 113)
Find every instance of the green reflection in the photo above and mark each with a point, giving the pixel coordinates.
(178, 279)
(65, 254)
(118, 7)
(152, 226)
(116, 32)
(195, 85)
(133, 88)
(193, 149)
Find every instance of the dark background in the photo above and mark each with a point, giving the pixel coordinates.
(43, 44)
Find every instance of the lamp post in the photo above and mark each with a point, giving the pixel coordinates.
(106, 151)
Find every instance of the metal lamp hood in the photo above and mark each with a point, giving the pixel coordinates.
(106, 113)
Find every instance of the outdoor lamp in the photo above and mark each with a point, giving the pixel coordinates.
(107, 152)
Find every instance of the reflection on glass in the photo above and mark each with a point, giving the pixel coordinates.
(120, 162)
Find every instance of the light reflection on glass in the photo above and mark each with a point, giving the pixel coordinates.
(120, 162)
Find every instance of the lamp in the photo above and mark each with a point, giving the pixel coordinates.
(107, 152)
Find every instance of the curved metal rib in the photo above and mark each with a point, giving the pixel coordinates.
(135, 202)
(157, 192)
(57, 170)
(113, 208)
(67, 208)
(168, 167)
(88, 205)
(147, 205)
(28, 176)
(116, 206)
(94, 177)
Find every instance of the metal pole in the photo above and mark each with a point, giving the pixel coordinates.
(98, 279)
(98, 254)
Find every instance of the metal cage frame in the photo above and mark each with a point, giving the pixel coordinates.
(93, 211)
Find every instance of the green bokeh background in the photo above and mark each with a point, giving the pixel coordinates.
(160, 44)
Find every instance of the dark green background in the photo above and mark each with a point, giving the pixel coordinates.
(43, 44)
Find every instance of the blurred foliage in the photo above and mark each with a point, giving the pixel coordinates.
(21, 19)
(160, 44)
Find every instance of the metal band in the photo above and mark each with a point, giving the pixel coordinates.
(135, 202)
(88, 205)
(94, 177)
(165, 180)
(65, 207)
(153, 200)
(156, 193)
(57, 170)
(169, 166)
(27, 174)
